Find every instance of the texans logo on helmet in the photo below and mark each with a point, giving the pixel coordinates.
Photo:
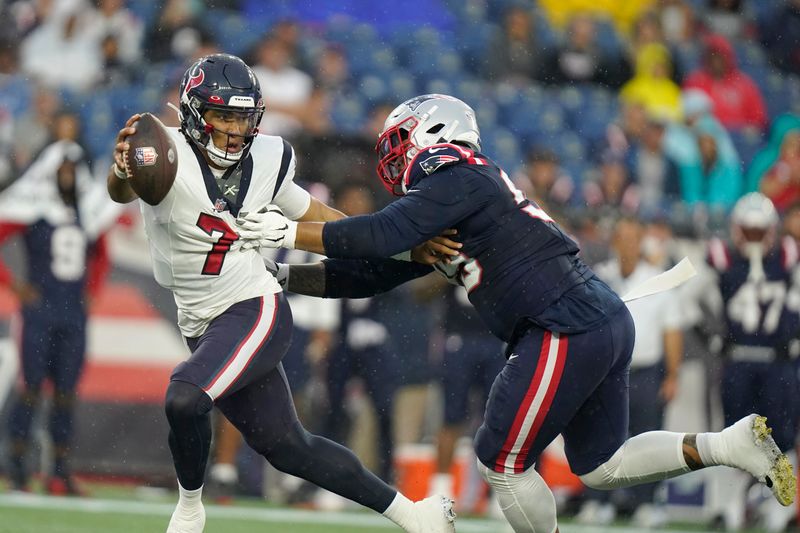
(194, 81)
(432, 163)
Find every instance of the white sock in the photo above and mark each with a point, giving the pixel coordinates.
(190, 500)
(709, 446)
(401, 511)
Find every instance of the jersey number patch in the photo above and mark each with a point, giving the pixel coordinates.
(758, 306)
(216, 257)
(68, 253)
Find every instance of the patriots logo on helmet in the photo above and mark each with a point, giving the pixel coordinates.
(431, 164)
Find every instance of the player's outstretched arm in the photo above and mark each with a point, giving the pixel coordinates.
(119, 189)
(347, 278)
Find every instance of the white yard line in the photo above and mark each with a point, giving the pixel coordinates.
(296, 516)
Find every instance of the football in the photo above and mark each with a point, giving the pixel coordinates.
(152, 160)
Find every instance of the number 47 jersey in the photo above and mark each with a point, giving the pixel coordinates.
(195, 251)
(760, 304)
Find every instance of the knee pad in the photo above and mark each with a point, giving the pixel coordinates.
(525, 499)
(185, 400)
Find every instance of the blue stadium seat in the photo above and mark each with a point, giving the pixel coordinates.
(373, 88)
(607, 39)
(502, 147)
(379, 60)
(349, 114)
(401, 86)
(426, 63)
(486, 114)
(472, 91)
(99, 124)
(146, 10)
(749, 53)
(570, 148)
(233, 31)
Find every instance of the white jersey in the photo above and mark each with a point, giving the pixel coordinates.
(195, 250)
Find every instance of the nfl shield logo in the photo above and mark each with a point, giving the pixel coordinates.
(220, 205)
(145, 156)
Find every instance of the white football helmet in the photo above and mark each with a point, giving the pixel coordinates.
(418, 123)
(754, 222)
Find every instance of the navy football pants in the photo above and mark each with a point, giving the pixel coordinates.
(574, 385)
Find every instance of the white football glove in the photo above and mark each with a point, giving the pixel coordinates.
(267, 228)
(280, 271)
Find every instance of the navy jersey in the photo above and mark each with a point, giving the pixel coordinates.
(516, 263)
(459, 315)
(757, 311)
(57, 257)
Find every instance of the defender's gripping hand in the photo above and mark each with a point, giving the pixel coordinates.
(267, 228)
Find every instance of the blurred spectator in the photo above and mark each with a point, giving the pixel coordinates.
(625, 131)
(652, 85)
(7, 160)
(15, 87)
(113, 19)
(545, 182)
(34, 128)
(657, 175)
(780, 34)
(781, 183)
(287, 90)
(471, 359)
(176, 33)
(64, 52)
(332, 71)
(115, 70)
(656, 362)
(737, 99)
(719, 183)
(55, 223)
(680, 142)
(513, 52)
(647, 30)
(365, 350)
(791, 222)
(622, 12)
(728, 18)
(580, 58)
(677, 21)
(612, 192)
(786, 125)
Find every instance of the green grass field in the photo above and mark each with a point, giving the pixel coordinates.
(124, 510)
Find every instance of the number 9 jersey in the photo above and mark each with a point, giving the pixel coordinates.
(195, 251)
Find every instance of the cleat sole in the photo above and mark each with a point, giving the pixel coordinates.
(780, 477)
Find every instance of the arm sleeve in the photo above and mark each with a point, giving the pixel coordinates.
(362, 278)
(438, 202)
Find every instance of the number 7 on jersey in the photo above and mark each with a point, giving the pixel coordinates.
(216, 257)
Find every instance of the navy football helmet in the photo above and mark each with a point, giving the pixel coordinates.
(225, 83)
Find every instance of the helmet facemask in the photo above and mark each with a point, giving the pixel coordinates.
(395, 151)
(202, 133)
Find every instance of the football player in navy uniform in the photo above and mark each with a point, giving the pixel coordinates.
(755, 275)
(569, 336)
(51, 197)
(231, 311)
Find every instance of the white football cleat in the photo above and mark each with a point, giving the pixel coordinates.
(184, 521)
(435, 515)
(749, 447)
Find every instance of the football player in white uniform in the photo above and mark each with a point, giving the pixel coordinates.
(230, 308)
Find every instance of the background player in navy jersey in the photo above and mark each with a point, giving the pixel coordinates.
(230, 309)
(570, 337)
(59, 245)
(755, 275)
